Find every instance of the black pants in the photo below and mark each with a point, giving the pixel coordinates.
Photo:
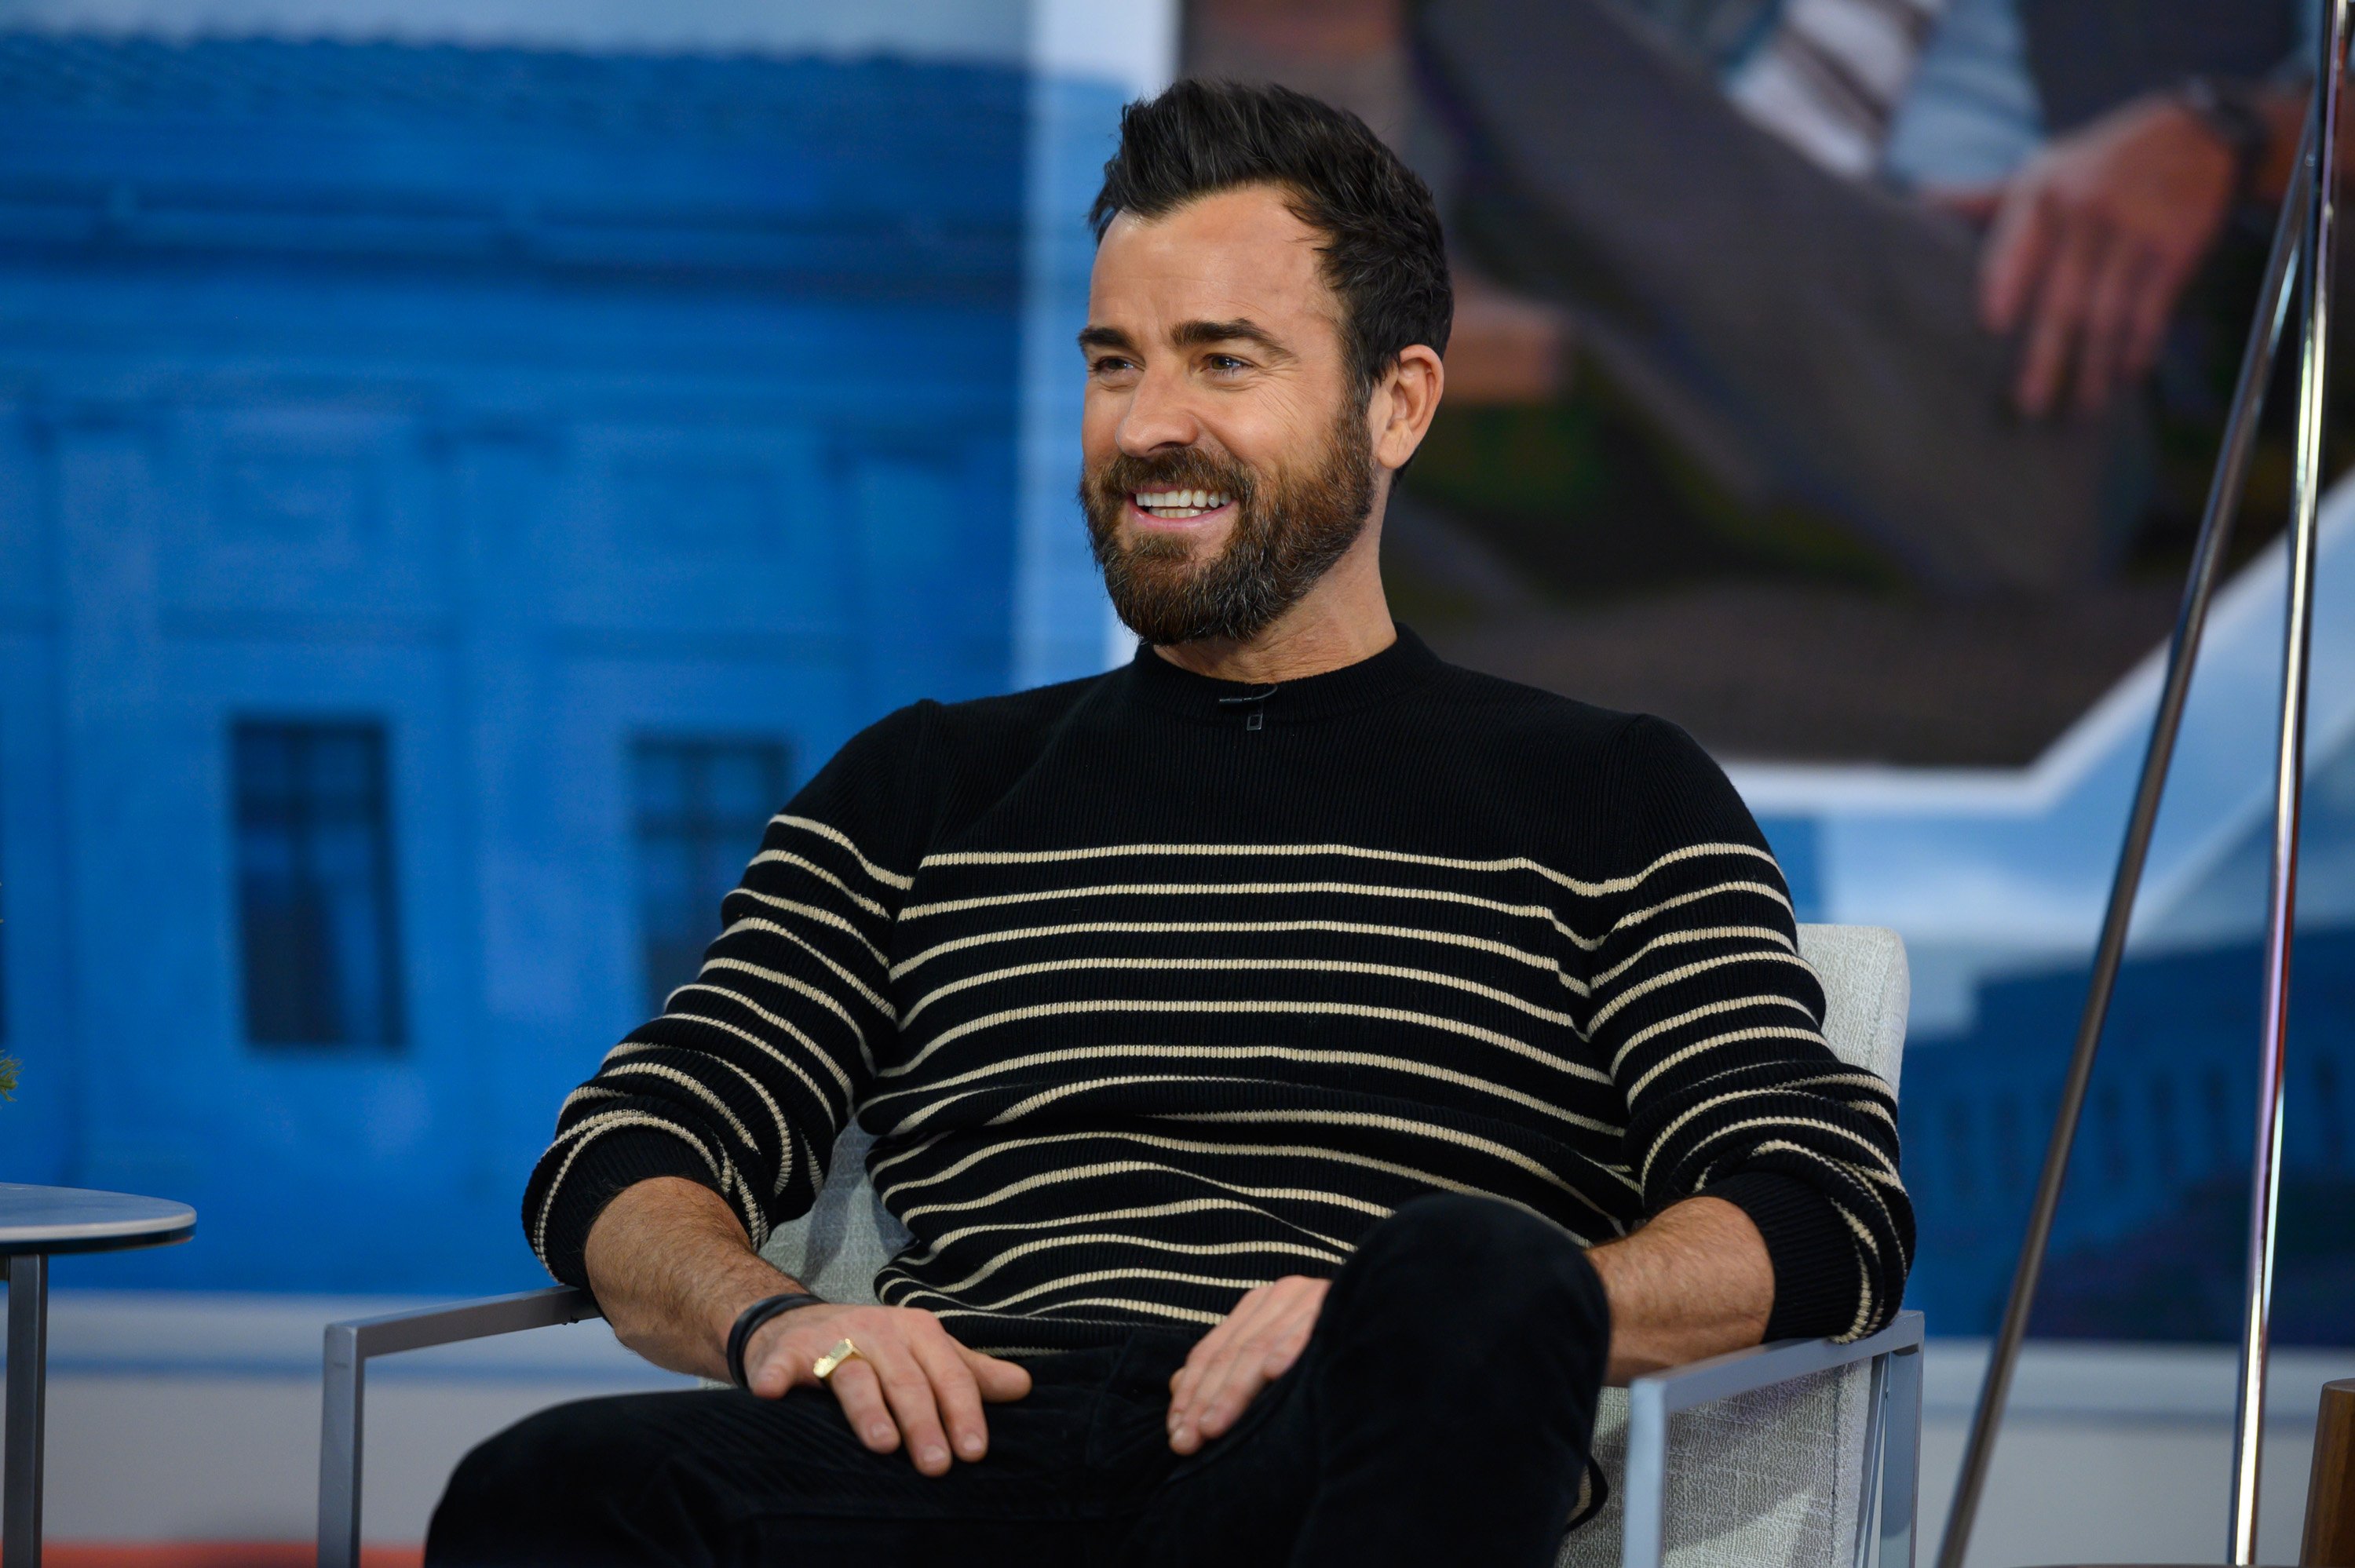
(1441, 1413)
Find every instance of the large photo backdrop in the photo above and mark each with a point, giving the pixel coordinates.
(1747, 424)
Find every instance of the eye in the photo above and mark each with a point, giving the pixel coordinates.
(1111, 364)
(1225, 364)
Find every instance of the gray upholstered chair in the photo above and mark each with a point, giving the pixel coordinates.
(1798, 1455)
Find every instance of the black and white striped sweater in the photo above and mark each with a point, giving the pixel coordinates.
(1153, 988)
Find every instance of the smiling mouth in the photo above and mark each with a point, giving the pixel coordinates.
(1178, 505)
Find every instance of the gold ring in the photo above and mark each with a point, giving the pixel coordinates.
(826, 1365)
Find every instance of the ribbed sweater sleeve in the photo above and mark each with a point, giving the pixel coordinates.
(1713, 1026)
(754, 1066)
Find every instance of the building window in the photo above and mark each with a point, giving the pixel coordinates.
(702, 807)
(314, 884)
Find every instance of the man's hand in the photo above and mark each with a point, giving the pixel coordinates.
(672, 1267)
(1251, 1347)
(909, 1382)
(2093, 244)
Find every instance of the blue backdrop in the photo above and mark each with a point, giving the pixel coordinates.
(448, 497)
(439, 490)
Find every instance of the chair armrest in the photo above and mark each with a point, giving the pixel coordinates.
(349, 1347)
(1764, 1366)
(429, 1326)
(1653, 1398)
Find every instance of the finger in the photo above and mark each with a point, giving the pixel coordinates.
(909, 1392)
(2154, 308)
(1205, 1354)
(1238, 1378)
(861, 1393)
(1212, 1358)
(2109, 314)
(1207, 1370)
(955, 1392)
(1187, 1379)
(770, 1373)
(1245, 1377)
(2060, 317)
(1000, 1382)
(1247, 1373)
(2018, 249)
(1283, 1354)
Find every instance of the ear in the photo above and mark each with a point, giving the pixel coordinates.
(1401, 409)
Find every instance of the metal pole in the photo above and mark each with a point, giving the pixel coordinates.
(2182, 654)
(28, 1346)
(2289, 779)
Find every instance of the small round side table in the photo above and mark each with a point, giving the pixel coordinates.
(37, 1223)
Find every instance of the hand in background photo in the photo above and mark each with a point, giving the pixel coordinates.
(1252, 1347)
(2090, 246)
(910, 1382)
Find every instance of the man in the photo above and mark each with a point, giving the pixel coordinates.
(1874, 264)
(1306, 1070)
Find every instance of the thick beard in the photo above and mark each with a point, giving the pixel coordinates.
(1287, 533)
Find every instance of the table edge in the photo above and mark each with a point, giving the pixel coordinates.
(166, 1234)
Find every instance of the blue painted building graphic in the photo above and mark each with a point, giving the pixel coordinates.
(2149, 1239)
(446, 496)
(2148, 1243)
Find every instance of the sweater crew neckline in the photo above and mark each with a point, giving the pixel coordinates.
(1174, 689)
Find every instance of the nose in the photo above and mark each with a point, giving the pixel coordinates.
(1158, 416)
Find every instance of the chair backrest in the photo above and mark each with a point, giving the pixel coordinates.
(1762, 1481)
(1773, 1480)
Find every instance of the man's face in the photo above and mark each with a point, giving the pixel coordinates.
(1228, 458)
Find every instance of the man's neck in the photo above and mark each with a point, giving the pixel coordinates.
(1343, 619)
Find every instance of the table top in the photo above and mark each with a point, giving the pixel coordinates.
(73, 1219)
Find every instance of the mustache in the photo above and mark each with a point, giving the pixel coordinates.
(1190, 468)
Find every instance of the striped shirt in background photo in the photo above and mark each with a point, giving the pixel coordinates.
(1828, 74)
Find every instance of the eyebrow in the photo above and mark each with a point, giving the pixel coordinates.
(1189, 334)
(1199, 335)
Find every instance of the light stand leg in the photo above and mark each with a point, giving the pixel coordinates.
(2289, 778)
(28, 1345)
(2182, 654)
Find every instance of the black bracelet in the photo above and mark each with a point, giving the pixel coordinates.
(2230, 112)
(749, 1321)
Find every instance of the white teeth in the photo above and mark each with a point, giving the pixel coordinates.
(1180, 502)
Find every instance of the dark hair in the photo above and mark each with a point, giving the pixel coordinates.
(1383, 255)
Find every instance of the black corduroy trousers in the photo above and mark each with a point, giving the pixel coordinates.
(1441, 1413)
